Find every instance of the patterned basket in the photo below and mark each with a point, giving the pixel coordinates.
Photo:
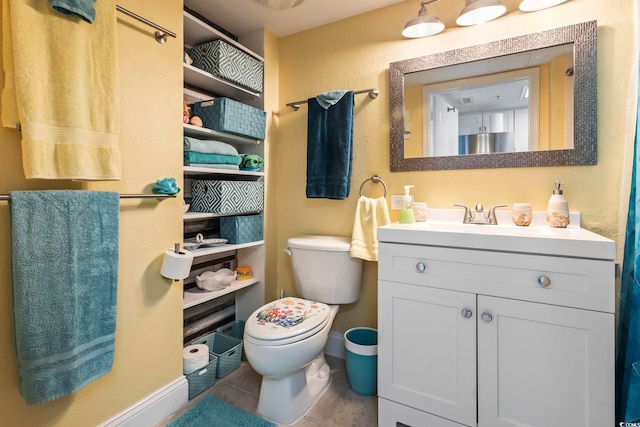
(227, 197)
(234, 329)
(229, 63)
(203, 378)
(241, 229)
(227, 348)
(227, 115)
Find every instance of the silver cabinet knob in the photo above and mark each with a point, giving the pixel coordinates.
(421, 267)
(467, 313)
(487, 317)
(544, 281)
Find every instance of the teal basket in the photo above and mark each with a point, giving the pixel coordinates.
(362, 360)
(227, 348)
(230, 116)
(236, 330)
(203, 378)
(242, 229)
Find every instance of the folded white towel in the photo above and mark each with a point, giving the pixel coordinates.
(370, 214)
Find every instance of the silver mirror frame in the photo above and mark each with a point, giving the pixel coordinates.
(584, 38)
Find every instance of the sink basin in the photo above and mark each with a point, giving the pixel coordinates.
(444, 227)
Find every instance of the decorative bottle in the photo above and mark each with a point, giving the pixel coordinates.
(558, 209)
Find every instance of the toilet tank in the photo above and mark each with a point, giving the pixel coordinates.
(323, 270)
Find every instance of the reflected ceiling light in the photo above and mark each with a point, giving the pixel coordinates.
(480, 11)
(533, 5)
(279, 4)
(424, 25)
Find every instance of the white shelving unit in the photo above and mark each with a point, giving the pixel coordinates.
(195, 296)
(200, 85)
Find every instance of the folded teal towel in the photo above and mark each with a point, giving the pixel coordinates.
(195, 157)
(214, 166)
(327, 99)
(251, 161)
(330, 148)
(209, 146)
(65, 276)
(83, 9)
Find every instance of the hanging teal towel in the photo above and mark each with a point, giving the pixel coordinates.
(65, 275)
(83, 9)
(330, 147)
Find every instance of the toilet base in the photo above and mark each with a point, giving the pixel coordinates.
(287, 399)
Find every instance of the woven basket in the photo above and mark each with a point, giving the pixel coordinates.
(228, 350)
(203, 378)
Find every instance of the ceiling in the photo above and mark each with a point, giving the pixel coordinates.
(243, 16)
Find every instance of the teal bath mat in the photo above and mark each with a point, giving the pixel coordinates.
(210, 411)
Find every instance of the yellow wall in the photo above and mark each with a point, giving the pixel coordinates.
(149, 312)
(355, 54)
(413, 105)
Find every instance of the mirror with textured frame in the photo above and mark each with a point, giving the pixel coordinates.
(553, 114)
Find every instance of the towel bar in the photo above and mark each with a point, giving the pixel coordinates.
(373, 94)
(160, 35)
(374, 178)
(160, 197)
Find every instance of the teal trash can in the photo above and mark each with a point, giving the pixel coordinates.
(362, 360)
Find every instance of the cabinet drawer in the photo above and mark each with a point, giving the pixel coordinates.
(572, 282)
(392, 414)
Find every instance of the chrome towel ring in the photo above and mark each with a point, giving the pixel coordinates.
(375, 179)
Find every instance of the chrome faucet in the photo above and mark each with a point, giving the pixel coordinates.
(478, 216)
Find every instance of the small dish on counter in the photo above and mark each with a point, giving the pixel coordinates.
(190, 246)
(209, 242)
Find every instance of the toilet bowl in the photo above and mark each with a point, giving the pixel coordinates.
(284, 340)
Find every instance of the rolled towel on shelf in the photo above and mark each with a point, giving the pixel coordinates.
(195, 157)
(209, 146)
(251, 162)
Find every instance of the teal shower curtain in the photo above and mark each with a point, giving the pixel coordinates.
(628, 342)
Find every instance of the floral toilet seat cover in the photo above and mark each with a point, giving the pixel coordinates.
(285, 318)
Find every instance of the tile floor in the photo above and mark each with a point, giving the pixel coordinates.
(339, 406)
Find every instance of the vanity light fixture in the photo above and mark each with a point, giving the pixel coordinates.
(279, 4)
(533, 5)
(480, 11)
(424, 25)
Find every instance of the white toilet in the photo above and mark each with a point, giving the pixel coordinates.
(284, 340)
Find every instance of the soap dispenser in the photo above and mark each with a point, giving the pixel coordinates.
(558, 209)
(406, 213)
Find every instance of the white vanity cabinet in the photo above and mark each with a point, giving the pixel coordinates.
(492, 327)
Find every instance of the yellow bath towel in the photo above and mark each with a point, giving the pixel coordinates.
(370, 214)
(61, 87)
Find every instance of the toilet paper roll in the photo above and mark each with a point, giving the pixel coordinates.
(176, 265)
(194, 357)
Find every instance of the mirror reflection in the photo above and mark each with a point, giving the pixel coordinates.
(488, 106)
(524, 101)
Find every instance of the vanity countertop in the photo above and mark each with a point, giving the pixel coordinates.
(444, 227)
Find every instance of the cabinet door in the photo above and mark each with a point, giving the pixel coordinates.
(544, 366)
(470, 124)
(427, 349)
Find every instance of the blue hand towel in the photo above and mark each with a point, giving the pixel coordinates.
(330, 148)
(65, 275)
(83, 9)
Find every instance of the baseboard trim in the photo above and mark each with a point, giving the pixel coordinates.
(335, 345)
(154, 408)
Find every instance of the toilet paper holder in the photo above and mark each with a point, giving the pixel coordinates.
(176, 266)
